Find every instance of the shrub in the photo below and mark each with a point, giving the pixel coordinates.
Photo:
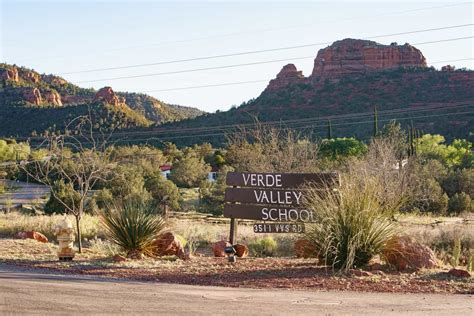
(264, 247)
(460, 202)
(133, 226)
(350, 226)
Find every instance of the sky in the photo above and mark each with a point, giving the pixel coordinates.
(62, 37)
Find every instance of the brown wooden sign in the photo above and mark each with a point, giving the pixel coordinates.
(292, 228)
(268, 213)
(272, 197)
(280, 180)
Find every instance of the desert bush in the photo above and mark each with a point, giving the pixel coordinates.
(459, 181)
(132, 225)
(163, 190)
(350, 226)
(264, 247)
(189, 171)
(269, 149)
(426, 194)
(460, 202)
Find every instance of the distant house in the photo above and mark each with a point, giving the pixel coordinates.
(166, 170)
(400, 164)
(212, 175)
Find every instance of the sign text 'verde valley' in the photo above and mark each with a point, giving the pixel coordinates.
(264, 196)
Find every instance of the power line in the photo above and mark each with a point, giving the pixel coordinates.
(264, 80)
(311, 126)
(209, 85)
(240, 65)
(254, 52)
(304, 127)
(400, 111)
(333, 118)
(301, 120)
(260, 31)
(197, 69)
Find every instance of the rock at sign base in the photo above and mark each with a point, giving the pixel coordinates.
(168, 244)
(403, 252)
(218, 248)
(459, 273)
(359, 273)
(119, 258)
(303, 248)
(241, 251)
(135, 254)
(32, 235)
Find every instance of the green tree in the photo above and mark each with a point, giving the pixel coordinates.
(13, 151)
(460, 202)
(342, 148)
(458, 154)
(163, 191)
(212, 193)
(63, 194)
(189, 171)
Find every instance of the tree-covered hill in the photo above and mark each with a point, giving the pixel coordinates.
(32, 104)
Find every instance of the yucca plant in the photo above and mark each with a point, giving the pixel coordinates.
(133, 226)
(456, 255)
(350, 226)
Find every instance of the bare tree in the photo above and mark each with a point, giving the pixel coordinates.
(79, 159)
(271, 149)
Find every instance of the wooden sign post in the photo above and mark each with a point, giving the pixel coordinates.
(272, 197)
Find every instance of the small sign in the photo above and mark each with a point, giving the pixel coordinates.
(284, 228)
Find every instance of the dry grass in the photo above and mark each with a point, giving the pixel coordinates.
(12, 223)
(200, 234)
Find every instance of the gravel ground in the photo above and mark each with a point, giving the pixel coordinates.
(291, 273)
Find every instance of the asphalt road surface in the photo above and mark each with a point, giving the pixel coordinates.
(29, 292)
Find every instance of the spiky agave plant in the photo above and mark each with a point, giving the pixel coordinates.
(132, 225)
(350, 225)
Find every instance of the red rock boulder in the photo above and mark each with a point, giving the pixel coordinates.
(32, 95)
(404, 252)
(32, 76)
(53, 98)
(32, 235)
(218, 248)
(241, 251)
(459, 273)
(108, 95)
(168, 244)
(304, 249)
(10, 74)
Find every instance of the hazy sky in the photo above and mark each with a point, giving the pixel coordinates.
(65, 36)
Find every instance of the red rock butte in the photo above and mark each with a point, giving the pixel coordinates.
(359, 56)
(352, 56)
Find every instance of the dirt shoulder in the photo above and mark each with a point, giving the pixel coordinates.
(289, 273)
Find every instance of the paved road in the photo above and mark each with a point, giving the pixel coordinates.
(24, 193)
(26, 292)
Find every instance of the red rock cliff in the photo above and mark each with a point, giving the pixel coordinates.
(287, 75)
(108, 95)
(350, 56)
